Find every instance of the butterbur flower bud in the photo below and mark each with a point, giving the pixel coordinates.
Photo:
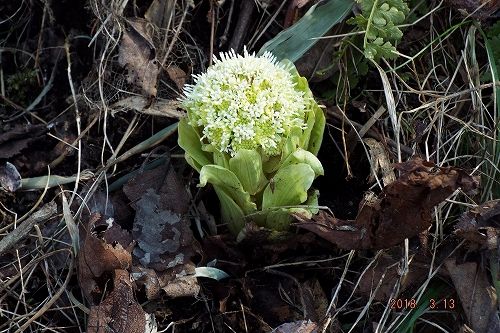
(245, 102)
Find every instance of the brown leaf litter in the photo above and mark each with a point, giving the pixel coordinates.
(138, 54)
(480, 226)
(402, 210)
(120, 312)
(98, 258)
(162, 230)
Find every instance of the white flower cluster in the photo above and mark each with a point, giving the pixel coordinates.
(245, 102)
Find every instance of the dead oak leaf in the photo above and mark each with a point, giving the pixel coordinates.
(402, 210)
(138, 54)
(97, 257)
(120, 312)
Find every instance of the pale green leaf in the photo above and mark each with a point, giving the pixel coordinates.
(211, 273)
(231, 213)
(316, 136)
(247, 166)
(304, 156)
(289, 186)
(227, 181)
(189, 140)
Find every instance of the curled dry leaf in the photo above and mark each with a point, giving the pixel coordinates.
(481, 225)
(177, 75)
(402, 210)
(98, 257)
(138, 54)
(120, 312)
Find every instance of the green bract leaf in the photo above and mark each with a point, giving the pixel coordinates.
(306, 157)
(227, 181)
(231, 213)
(221, 159)
(247, 166)
(316, 136)
(289, 186)
(189, 140)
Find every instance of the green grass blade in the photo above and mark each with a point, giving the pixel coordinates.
(491, 184)
(293, 42)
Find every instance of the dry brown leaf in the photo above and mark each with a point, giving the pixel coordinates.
(481, 225)
(137, 54)
(386, 271)
(177, 75)
(380, 162)
(120, 312)
(97, 257)
(477, 296)
(160, 13)
(402, 210)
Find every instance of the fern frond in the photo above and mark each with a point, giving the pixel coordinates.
(379, 20)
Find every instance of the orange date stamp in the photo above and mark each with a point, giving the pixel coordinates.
(433, 304)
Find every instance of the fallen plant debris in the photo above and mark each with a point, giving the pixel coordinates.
(165, 243)
(10, 179)
(402, 210)
(13, 238)
(98, 259)
(120, 312)
(481, 225)
(138, 54)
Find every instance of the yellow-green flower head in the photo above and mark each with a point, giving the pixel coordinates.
(245, 102)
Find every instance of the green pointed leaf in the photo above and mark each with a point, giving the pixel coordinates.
(227, 181)
(247, 166)
(221, 159)
(304, 156)
(231, 213)
(189, 140)
(289, 186)
(195, 165)
(316, 136)
(293, 42)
